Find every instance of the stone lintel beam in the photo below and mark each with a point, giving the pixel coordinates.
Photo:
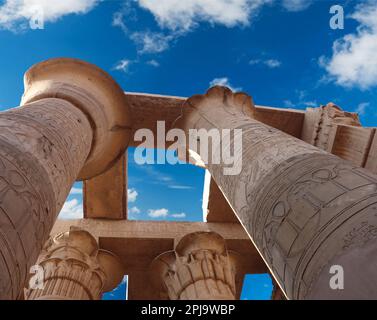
(137, 243)
(199, 268)
(74, 268)
(304, 208)
(340, 133)
(73, 123)
(105, 196)
(147, 109)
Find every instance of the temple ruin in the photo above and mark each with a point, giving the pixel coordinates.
(305, 199)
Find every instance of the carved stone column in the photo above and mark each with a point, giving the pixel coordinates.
(304, 208)
(200, 268)
(73, 124)
(74, 268)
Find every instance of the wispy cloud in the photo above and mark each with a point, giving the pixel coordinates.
(158, 213)
(153, 63)
(151, 42)
(296, 5)
(179, 215)
(362, 108)
(185, 15)
(179, 187)
(164, 213)
(123, 65)
(224, 81)
(134, 210)
(270, 63)
(132, 195)
(75, 191)
(302, 100)
(72, 209)
(16, 14)
(354, 57)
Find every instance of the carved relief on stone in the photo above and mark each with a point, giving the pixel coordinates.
(200, 268)
(73, 123)
(304, 208)
(320, 124)
(74, 268)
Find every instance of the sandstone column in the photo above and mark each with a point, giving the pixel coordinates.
(73, 124)
(74, 268)
(199, 268)
(305, 209)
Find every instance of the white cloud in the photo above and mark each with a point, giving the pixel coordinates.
(224, 81)
(183, 16)
(179, 187)
(76, 191)
(123, 65)
(135, 210)
(270, 63)
(296, 5)
(131, 195)
(362, 107)
(151, 42)
(15, 14)
(164, 213)
(354, 58)
(302, 101)
(179, 215)
(72, 209)
(153, 63)
(158, 213)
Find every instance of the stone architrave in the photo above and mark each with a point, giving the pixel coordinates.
(200, 268)
(305, 210)
(74, 268)
(73, 123)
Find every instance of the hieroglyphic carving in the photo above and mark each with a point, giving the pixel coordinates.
(74, 268)
(320, 123)
(198, 269)
(298, 203)
(73, 121)
(40, 155)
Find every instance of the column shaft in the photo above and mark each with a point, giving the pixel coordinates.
(73, 124)
(304, 208)
(43, 146)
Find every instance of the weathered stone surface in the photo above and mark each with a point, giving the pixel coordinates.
(74, 268)
(352, 143)
(371, 162)
(64, 124)
(96, 94)
(304, 208)
(319, 127)
(147, 109)
(137, 243)
(199, 268)
(105, 196)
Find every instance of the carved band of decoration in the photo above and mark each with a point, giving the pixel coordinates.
(74, 268)
(200, 268)
(305, 209)
(320, 124)
(73, 123)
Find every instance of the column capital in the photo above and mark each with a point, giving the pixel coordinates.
(207, 107)
(75, 268)
(199, 268)
(95, 93)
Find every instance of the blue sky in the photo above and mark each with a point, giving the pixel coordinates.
(283, 53)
